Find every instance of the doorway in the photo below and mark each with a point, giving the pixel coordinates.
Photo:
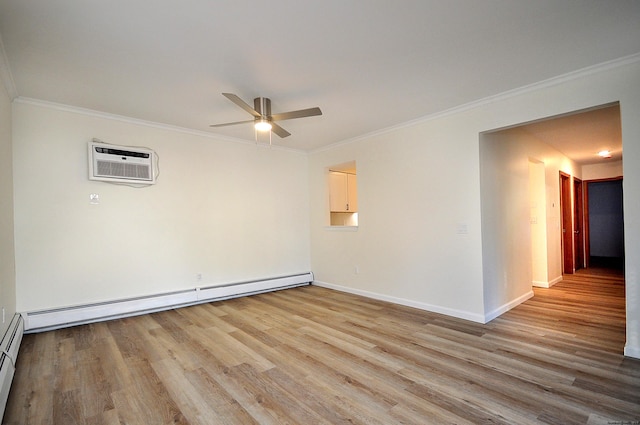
(604, 224)
(540, 155)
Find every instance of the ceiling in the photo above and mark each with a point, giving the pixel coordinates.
(580, 136)
(368, 64)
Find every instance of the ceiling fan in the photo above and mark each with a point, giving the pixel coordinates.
(263, 119)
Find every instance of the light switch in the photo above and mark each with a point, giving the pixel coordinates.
(94, 199)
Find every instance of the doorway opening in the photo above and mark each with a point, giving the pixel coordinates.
(529, 172)
(604, 226)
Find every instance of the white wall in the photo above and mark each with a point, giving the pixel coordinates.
(234, 212)
(538, 211)
(505, 158)
(419, 186)
(630, 111)
(417, 193)
(7, 265)
(228, 211)
(603, 170)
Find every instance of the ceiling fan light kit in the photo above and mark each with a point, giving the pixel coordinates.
(262, 125)
(263, 119)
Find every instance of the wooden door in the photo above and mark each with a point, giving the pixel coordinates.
(578, 220)
(567, 227)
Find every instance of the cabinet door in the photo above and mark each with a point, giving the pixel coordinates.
(338, 192)
(352, 193)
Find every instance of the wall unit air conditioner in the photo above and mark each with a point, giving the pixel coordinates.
(121, 164)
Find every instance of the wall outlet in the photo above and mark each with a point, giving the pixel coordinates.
(198, 277)
(356, 270)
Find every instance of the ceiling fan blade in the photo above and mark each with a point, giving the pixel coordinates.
(296, 114)
(279, 130)
(241, 103)
(231, 123)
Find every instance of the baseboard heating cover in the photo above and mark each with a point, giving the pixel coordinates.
(10, 346)
(43, 320)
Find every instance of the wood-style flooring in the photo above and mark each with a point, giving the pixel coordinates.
(311, 355)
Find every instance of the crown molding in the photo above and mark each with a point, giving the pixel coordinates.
(136, 121)
(7, 78)
(5, 73)
(574, 75)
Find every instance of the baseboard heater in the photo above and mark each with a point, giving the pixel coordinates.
(9, 347)
(38, 321)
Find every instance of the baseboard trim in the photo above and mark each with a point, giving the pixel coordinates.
(460, 314)
(44, 320)
(507, 306)
(632, 352)
(546, 284)
(554, 281)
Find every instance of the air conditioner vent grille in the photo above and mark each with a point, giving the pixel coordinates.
(128, 171)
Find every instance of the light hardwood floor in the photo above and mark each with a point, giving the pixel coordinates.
(312, 355)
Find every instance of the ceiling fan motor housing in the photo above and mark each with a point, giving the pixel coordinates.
(262, 105)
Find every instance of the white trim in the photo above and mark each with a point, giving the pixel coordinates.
(632, 352)
(8, 80)
(136, 121)
(508, 306)
(341, 228)
(37, 321)
(550, 82)
(460, 314)
(554, 281)
(546, 284)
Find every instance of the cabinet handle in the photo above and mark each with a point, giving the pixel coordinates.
(347, 207)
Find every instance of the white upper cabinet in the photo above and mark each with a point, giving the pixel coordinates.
(343, 188)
